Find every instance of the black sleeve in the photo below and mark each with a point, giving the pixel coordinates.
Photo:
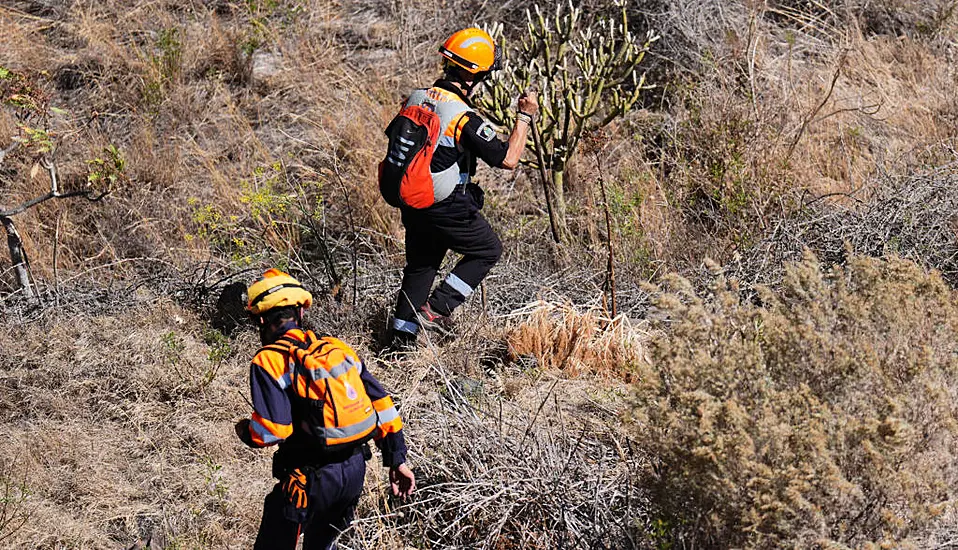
(480, 138)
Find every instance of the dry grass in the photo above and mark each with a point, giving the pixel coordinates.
(559, 337)
(123, 428)
(763, 107)
(519, 466)
(910, 216)
(148, 400)
(746, 121)
(246, 127)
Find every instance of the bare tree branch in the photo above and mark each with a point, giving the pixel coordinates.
(54, 193)
(18, 256)
(8, 150)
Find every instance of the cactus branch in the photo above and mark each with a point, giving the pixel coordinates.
(585, 70)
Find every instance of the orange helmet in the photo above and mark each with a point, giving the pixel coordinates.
(276, 289)
(473, 50)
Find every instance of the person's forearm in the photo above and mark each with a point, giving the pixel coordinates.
(393, 448)
(517, 143)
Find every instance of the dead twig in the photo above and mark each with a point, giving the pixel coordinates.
(610, 265)
(821, 104)
(540, 161)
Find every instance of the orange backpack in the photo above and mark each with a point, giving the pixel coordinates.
(329, 398)
(404, 175)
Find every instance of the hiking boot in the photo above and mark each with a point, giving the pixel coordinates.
(436, 322)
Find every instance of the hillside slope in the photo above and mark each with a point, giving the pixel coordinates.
(794, 163)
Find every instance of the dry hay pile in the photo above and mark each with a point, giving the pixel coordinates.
(560, 337)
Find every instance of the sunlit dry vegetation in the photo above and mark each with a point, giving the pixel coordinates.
(822, 414)
(779, 369)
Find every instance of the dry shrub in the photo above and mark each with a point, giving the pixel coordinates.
(123, 426)
(531, 471)
(200, 102)
(825, 415)
(562, 338)
(911, 215)
(928, 18)
(764, 102)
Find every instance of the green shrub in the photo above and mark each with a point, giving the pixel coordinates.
(823, 415)
(269, 222)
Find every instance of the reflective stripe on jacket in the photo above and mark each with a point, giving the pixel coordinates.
(272, 384)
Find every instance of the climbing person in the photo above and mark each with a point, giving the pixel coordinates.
(443, 213)
(319, 403)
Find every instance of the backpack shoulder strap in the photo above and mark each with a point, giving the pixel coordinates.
(276, 346)
(289, 341)
(285, 346)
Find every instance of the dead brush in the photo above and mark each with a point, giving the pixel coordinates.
(769, 100)
(911, 216)
(563, 338)
(150, 447)
(542, 465)
(14, 495)
(498, 473)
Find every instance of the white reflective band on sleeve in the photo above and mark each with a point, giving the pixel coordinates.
(388, 415)
(458, 285)
(284, 381)
(405, 326)
(263, 433)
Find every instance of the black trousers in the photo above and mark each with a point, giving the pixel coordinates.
(333, 490)
(452, 224)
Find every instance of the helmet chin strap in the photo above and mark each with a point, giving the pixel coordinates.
(478, 78)
(468, 88)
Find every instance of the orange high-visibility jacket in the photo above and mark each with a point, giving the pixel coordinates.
(272, 387)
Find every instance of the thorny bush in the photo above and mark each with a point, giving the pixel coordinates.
(823, 415)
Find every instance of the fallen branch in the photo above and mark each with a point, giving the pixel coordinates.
(54, 193)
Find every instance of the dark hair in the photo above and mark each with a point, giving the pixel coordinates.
(455, 73)
(279, 315)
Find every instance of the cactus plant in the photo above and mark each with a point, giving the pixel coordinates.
(586, 74)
